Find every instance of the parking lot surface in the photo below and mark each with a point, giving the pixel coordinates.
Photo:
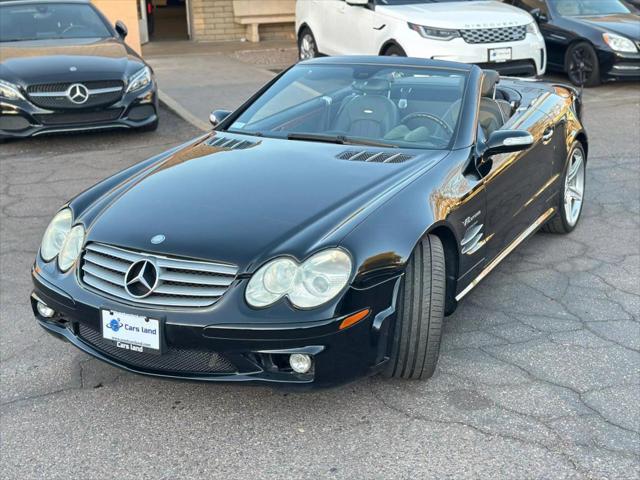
(539, 375)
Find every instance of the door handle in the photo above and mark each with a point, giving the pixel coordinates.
(548, 134)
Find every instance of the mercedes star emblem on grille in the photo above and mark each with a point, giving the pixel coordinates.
(141, 279)
(78, 93)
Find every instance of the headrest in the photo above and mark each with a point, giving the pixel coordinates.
(373, 86)
(489, 82)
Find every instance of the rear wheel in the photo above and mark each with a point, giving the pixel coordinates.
(418, 330)
(394, 51)
(307, 46)
(582, 65)
(573, 186)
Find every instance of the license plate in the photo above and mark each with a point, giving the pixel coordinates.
(499, 54)
(131, 332)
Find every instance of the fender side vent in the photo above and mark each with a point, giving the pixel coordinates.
(230, 143)
(374, 157)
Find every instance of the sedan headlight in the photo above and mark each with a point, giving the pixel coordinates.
(139, 80)
(10, 91)
(434, 33)
(56, 234)
(310, 284)
(71, 248)
(619, 43)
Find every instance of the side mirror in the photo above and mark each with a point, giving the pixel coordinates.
(122, 30)
(505, 141)
(358, 3)
(217, 116)
(539, 16)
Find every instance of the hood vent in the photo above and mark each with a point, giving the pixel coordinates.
(230, 143)
(374, 157)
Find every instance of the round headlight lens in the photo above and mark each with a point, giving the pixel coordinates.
(309, 285)
(321, 278)
(55, 235)
(71, 248)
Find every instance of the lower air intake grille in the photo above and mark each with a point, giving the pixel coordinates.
(375, 157)
(73, 118)
(179, 283)
(178, 360)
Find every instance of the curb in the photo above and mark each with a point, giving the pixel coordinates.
(182, 112)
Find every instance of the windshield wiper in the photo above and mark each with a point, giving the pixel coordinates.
(247, 132)
(339, 139)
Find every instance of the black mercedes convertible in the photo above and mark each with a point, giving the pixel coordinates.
(322, 231)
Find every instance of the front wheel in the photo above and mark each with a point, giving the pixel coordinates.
(582, 65)
(416, 340)
(307, 46)
(573, 187)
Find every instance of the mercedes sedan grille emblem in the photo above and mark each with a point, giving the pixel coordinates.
(78, 93)
(141, 279)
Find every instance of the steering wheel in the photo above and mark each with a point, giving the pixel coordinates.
(428, 116)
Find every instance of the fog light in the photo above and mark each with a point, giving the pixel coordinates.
(45, 311)
(300, 362)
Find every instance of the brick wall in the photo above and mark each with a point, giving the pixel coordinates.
(213, 21)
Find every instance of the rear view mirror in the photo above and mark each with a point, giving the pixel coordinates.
(217, 116)
(122, 30)
(506, 141)
(539, 16)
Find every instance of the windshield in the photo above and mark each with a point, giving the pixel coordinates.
(43, 21)
(576, 8)
(398, 106)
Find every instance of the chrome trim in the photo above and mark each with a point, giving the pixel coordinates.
(179, 283)
(79, 129)
(96, 91)
(496, 261)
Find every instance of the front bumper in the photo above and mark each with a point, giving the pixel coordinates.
(21, 118)
(196, 347)
(528, 57)
(619, 66)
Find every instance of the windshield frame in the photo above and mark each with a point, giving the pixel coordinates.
(111, 32)
(227, 123)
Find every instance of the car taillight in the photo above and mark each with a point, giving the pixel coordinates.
(149, 8)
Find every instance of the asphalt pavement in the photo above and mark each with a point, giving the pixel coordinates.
(539, 375)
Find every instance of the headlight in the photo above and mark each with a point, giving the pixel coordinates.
(10, 91)
(310, 284)
(71, 248)
(434, 33)
(619, 43)
(532, 28)
(139, 80)
(56, 234)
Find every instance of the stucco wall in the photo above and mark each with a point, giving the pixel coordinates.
(127, 11)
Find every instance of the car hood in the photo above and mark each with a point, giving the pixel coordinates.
(622, 24)
(77, 60)
(246, 206)
(458, 15)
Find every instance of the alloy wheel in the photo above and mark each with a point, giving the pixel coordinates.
(574, 188)
(581, 66)
(307, 47)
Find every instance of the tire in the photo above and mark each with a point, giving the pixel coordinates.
(307, 46)
(582, 53)
(566, 219)
(152, 127)
(416, 340)
(394, 51)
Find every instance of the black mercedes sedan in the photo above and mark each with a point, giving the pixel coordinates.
(590, 40)
(64, 68)
(322, 231)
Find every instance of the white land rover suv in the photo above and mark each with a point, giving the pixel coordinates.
(489, 33)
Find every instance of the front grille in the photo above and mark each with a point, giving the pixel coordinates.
(181, 283)
(177, 360)
(374, 157)
(494, 35)
(70, 118)
(55, 94)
